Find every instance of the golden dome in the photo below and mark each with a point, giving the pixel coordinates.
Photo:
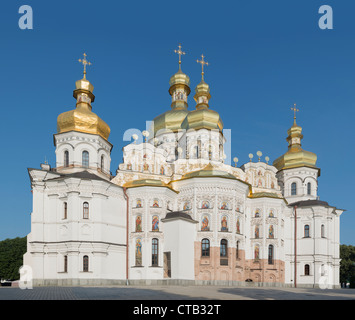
(170, 120)
(82, 119)
(179, 91)
(179, 79)
(208, 171)
(295, 156)
(202, 117)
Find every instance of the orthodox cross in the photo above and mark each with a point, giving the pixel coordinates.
(85, 63)
(202, 62)
(180, 53)
(294, 109)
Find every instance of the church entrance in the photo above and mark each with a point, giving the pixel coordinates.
(167, 264)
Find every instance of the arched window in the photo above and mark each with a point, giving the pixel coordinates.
(102, 165)
(205, 248)
(322, 231)
(224, 252)
(309, 186)
(155, 251)
(293, 189)
(86, 264)
(65, 210)
(85, 210)
(85, 159)
(66, 158)
(306, 231)
(271, 254)
(306, 269)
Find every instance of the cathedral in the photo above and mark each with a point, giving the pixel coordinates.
(175, 212)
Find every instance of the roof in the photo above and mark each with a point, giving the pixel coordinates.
(309, 203)
(80, 175)
(209, 171)
(147, 183)
(173, 215)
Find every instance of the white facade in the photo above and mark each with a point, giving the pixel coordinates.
(175, 211)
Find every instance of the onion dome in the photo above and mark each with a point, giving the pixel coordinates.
(179, 91)
(203, 117)
(82, 119)
(295, 156)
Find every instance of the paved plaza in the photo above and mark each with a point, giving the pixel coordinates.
(173, 293)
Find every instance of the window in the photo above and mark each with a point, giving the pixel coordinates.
(155, 243)
(237, 250)
(205, 247)
(85, 159)
(293, 189)
(306, 269)
(65, 210)
(306, 231)
(85, 210)
(196, 152)
(102, 163)
(322, 231)
(309, 188)
(65, 263)
(224, 252)
(271, 254)
(66, 158)
(86, 264)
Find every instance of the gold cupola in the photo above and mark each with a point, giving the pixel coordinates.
(179, 91)
(203, 117)
(295, 156)
(82, 119)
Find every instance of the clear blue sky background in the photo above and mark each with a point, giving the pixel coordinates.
(264, 56)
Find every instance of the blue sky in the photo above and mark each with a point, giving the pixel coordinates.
(264, 56)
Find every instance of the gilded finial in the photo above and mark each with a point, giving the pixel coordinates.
(180, 53)
(85, 63)
(203, 63)
(294, 109)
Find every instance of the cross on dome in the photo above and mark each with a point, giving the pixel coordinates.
(294, 109)
(180, 53)
(203, 63)
(84, 62)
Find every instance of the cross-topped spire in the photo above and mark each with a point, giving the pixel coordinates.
(180, 53)
(294, 109)
(85, 63)
(202, 62)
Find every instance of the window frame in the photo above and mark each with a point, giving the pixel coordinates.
(205, 248)
(86, 210)
(66, 159)
(270, 255)
(306, 231)
(86, 263)
(294, 189)
(155, 252)
(85, 159)
(309, 189)
(65, 209)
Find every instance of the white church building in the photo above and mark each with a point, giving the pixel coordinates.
(175, 212)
